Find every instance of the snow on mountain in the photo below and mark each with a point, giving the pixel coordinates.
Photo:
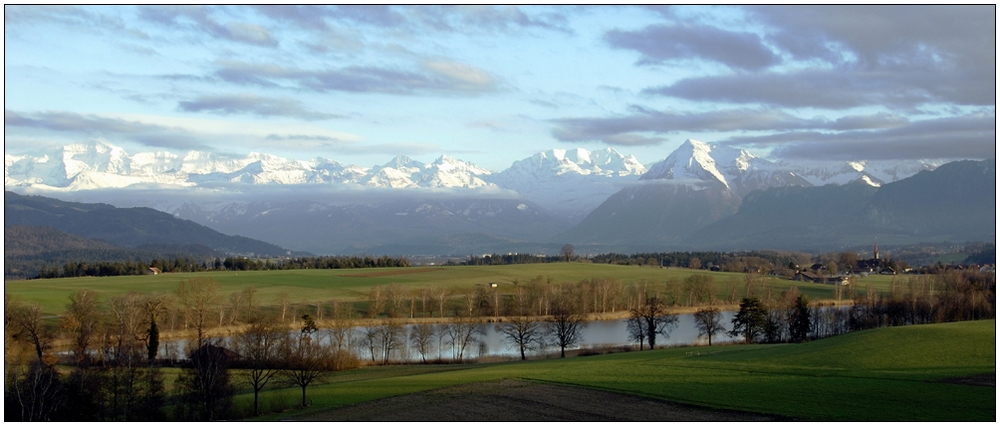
(570, 182)
(875, 173)
(692, 161)
(698, 165)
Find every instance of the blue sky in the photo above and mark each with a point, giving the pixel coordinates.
(491, 85)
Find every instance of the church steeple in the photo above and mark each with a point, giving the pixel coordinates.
(876, 249)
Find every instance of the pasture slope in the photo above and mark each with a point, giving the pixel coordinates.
(308, 286)
(889, 374)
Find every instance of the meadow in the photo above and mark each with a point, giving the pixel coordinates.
(352, 285)
(887, 374)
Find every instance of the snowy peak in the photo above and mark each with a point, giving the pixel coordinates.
(698, 164)
(874, 173)
(690, 161)
(579, 161)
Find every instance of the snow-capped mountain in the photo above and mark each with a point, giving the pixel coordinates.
(700, 164)
(570, 182)
(874, 173)
(445, 172)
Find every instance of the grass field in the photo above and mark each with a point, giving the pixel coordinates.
(890, 374)
(310, 286)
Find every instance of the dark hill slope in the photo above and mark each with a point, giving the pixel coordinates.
(655, 214)
(130, 227)
(790, 218)
(956, 202)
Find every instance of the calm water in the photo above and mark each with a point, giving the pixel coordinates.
(595, 335)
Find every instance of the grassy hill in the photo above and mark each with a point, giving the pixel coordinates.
(889, 374)
(313, 285)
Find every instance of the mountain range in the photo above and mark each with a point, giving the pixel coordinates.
(695, 197)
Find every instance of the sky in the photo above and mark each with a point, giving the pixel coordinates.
(492, 85)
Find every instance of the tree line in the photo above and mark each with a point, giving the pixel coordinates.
(950, 296)
(230, 263)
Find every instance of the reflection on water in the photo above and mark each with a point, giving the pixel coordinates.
(595, 335)
(613, 333)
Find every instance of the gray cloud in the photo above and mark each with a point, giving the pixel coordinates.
(111, 128)
(623, 130)
(894, 56)
(252, 104)
(663, 43)
(970, 136)
(835, 89)
(439, 77)
(880, 35)
(199, 18)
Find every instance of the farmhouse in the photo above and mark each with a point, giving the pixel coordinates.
(154, 271)
(809, 276)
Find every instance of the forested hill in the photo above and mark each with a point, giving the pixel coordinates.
(129, 227)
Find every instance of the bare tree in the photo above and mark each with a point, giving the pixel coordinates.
(258, 347)
(566, 252)
(566, 325)
(283, 303)
(124, 353)
(376, 300)
(422, 337)
(199, 297)
(206, 388)
(471, 301)
(700, 288)
(82, 320)
(35, 392)
(709, 323)
(395, 294)
(462, 333)
(652, 319)
(521, 331)
(26, 323)
(389, 337)
(306, 361)
(496, 301)
(237, 301)
(341, 329)
(441, 296)
(369, 337)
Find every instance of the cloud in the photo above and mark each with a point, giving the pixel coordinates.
(664, 43)
(252, 104)
(433, 77)
(111, 128)
(200, 19)
(836, 89)
(300, 137)
(418, 19)
(623, 130)
(880, 35)
(969, 136)
(848, 56)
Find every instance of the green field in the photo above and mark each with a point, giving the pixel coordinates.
(889, 374)
(312, 285)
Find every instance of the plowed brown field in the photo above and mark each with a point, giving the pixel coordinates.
(515, 401)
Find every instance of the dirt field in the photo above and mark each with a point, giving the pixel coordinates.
(988, 379)
(514, 401)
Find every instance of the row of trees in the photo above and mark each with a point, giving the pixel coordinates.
(116, 375)
(230, 263)
(951, 296)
